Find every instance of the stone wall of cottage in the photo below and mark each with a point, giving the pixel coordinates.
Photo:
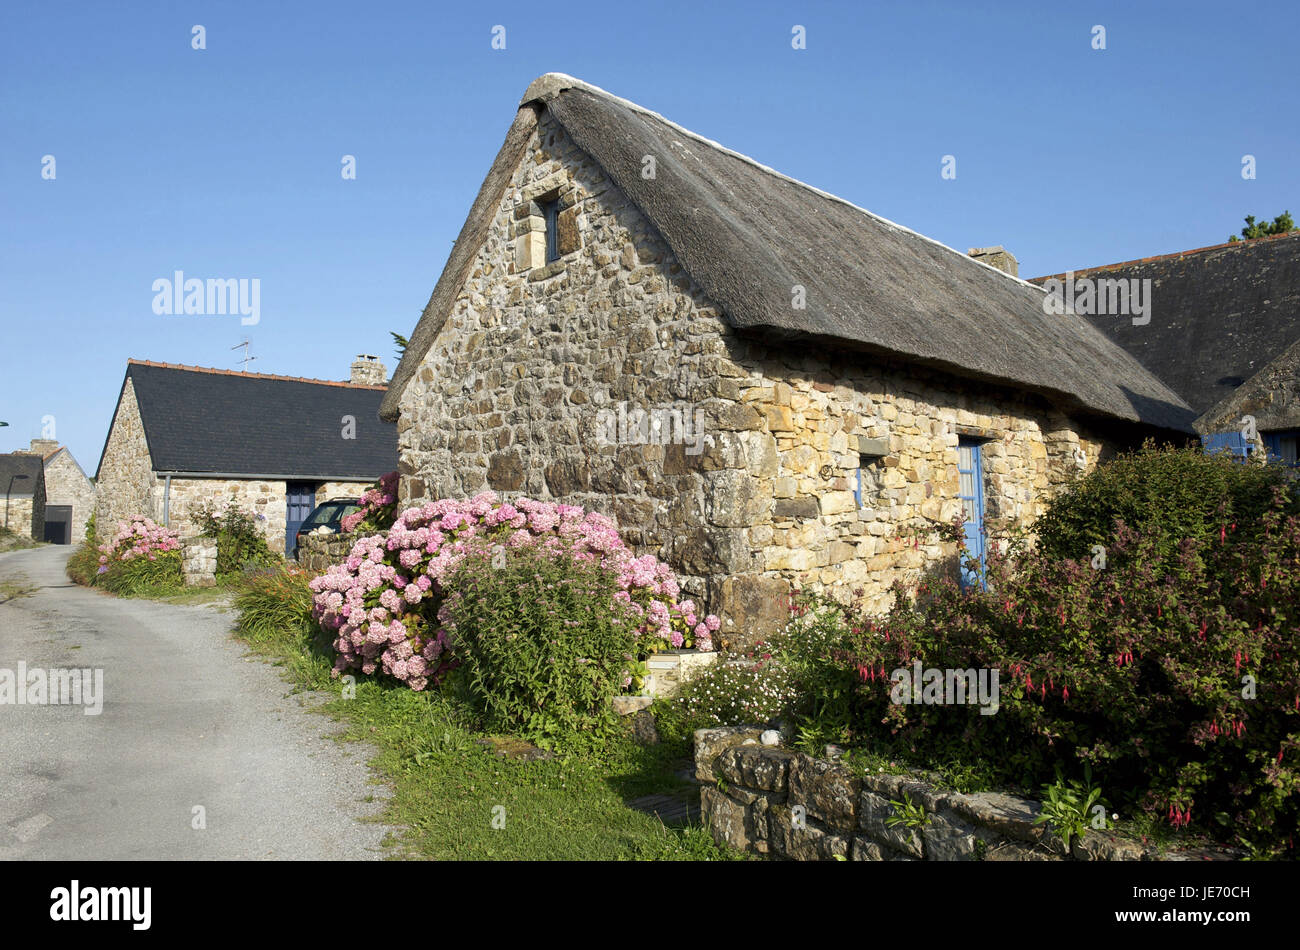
(265, 499)
(67, 484)
(126, 483)
(523, 388)
(328, 490)
(25, 515)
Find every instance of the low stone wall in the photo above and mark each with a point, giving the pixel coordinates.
(767, 800)
(317, 552)
(199, 561)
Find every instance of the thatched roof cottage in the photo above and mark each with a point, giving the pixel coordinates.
(763, 383)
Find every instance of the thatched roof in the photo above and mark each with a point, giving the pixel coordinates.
(1272, 396)
(747, 235)
(1218, 314)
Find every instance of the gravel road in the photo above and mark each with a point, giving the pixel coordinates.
(187, 721)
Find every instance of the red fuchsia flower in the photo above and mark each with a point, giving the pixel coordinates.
(1279, 756)
(1223, 533)
(1042, 691)
(1241, 727)
(1214, 728)
(1065, 693)
(1203, 627)
(1236, 661)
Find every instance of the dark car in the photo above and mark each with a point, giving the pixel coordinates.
(329, 514)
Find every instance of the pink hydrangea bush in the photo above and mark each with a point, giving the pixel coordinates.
(139, 537)
(378, 507)
(386, 601)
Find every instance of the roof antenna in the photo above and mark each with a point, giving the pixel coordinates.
(246, 358)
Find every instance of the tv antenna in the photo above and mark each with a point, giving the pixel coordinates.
(246, 359)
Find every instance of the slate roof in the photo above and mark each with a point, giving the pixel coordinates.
(1218, 314)
(1272, 396)
(20, 463)
(221, 422)
(747, 235)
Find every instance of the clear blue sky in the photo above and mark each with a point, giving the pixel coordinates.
(225, 162)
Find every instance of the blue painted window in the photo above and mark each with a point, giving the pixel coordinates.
(1282, 446)
(1234, 442)
(970, 471)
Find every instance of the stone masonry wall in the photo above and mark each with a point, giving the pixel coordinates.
(264, 498)
(126, 481)
(784, 804)
(67, 484)
(19, 517)
(517, 392)
(328, 490)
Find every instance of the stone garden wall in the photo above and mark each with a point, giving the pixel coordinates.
(318, 551)
(538, 364)
(784, 804)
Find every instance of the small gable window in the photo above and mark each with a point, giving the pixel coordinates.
(551, 215)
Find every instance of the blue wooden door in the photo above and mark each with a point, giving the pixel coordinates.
(301, 499)
(971, 491)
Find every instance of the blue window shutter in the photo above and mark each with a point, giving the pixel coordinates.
(1216, 442)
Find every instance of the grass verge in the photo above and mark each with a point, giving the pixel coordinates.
(458, 799)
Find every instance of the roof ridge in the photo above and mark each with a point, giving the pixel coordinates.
(550, 85)
(243, 375)
(1172, 254)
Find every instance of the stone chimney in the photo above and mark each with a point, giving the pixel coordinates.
(998, 257)
(369, 370)
(43, 446)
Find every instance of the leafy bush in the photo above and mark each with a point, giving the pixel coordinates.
(83, 564)
(158, 573)
(1174, 670)
(537, 644)
(240, 541)
(1168, 494)
(385, 601)
(378, 508)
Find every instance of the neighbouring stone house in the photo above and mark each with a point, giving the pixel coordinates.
(275, 445)
(22, 476)
(1223, 332)
(766, 385)
(69, 493)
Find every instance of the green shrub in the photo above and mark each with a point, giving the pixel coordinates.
(541, 651)
(1174, 670)
(240, 541)
(83, 563)
(143, 575)
(275, 603)
(1165, 493)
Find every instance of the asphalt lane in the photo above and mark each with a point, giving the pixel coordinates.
(190, 729)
